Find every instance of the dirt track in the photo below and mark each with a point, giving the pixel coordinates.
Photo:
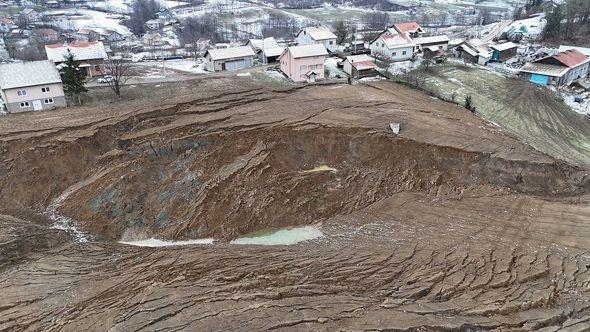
(450, 225)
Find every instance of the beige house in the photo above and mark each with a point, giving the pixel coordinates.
(31, 86)
(90, 56)
(304, 63)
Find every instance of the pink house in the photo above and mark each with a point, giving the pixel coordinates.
(304, 63)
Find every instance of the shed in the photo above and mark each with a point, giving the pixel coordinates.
(232, 58)
(504, 51)
(359, 66)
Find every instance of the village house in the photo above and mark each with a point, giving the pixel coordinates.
(90, 56)
(87, 34)
(110, 36)
(267, 50)
(439, 42)
(46, 35)
(304, 63)
(392, 47)
(359, 66)
(6, 25)
(31, 86)
(410, 29)
(558, 70)
(154, 24)
(317, 35)
(30, 15)
(152, 38)
(231, 58)
(474, 51)
(504, 51)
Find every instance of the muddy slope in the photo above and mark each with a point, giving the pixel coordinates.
(451, 225)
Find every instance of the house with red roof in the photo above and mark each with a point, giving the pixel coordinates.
(411, 29)
(559, 70)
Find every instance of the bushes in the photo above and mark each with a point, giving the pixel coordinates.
(469, 104)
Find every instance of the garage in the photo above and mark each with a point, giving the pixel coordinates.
(232, 58)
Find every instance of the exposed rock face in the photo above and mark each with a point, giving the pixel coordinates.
(449, 225)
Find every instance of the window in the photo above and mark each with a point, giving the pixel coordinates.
(394, 53)
(21, 92)
(404, 53)
(48, 101)
(303, 69)
(45, 89)
(96, 67)
(24, 104)
(331, 42)
(314, 67)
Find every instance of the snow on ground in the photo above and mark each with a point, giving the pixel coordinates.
(275, 74)
(163, 243)
(583, 107)
(531, 27)
(332, 67)
(185, 65)
(74, 19)
(397, 68)
(113, 6)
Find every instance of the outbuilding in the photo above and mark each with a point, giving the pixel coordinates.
(31, 86)
(231, 58)
(440, 42)
(504, 51)
(304, 63)
(359, 66)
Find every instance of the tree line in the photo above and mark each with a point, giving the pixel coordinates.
(568, 21)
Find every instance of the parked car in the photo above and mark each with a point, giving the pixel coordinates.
(105, 79)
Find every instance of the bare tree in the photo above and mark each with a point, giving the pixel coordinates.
(117, 68)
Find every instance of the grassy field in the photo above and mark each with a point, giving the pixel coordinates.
(534, 114)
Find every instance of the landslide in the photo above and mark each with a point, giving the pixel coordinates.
(153, 175)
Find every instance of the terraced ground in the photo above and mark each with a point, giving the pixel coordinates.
(530, 112)
(450, 225)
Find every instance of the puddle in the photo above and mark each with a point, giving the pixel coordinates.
(163, 243)
(321, 168)
(280, 237)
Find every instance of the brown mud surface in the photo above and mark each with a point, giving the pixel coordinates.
(451, 225)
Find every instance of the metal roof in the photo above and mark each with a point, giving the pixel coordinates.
(23, 74)
(408, 26)
(230, 53)
(504, 46)
(269, 42)
(543, 69)
(319, 33)
(82, 51)
(305, 51)
(583, 50)
(432, 39)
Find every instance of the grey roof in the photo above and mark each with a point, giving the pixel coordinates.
(305, 51)
(319, 33)
(82, 51)
(23, 74)
(231, 53)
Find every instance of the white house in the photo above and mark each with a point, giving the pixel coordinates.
(231, 58)
(317, 35)
(31, 86)
(392, 47)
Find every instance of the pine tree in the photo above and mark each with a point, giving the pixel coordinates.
(73, 78)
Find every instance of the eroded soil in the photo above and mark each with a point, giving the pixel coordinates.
(453, 224)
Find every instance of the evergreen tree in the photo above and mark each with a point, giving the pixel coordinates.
(73, 78)
(553, 27)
